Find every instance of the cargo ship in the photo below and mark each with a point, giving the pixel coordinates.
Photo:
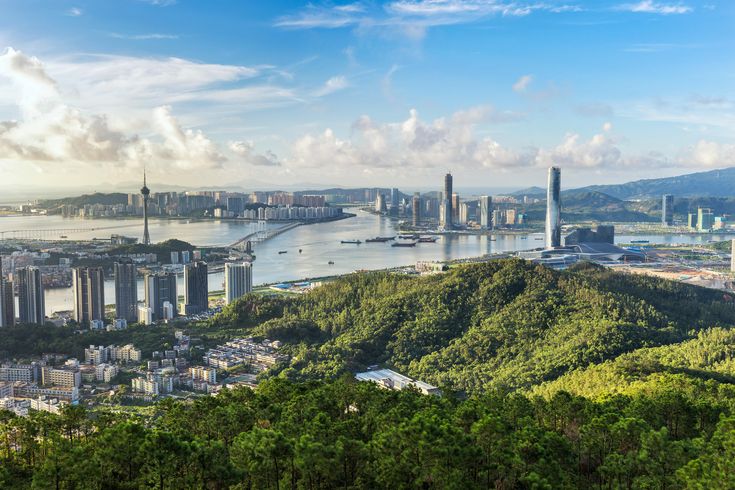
(380, 239)
(428, 239)
(404, 244)
(352, 242)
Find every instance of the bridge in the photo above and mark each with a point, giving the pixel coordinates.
(54, 233)
(263, 233)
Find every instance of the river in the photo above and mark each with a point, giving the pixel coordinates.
(319, 244)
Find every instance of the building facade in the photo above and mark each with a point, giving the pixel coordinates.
(160, 288)
(88, 284)
(238, 280)
(126, 290)
(553, 208)
(196, 288)
(31, 300)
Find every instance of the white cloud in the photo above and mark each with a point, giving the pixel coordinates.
(74, 12)
(599, 151)
(332, 85)
(143, 37)
(411, 18)
(709, 154)
(52, 131)
(246, 151)
(522, 83)
(652, 7)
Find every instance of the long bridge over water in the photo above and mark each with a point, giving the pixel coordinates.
(263, 233)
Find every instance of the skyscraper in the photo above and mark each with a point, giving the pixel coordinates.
(3, 304)
(446, 206)
(485, 221)
(88, 284)
(394, 202)
(31, 300)
(667, 210)
(126, 290)
(416, 208)
(146, 194)
(238, 280)
(196, 288)
(8, 302)
(455, 207)
(160, 288)
(553, 208)
(732, 256)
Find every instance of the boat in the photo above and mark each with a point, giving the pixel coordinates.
(299, 250)
(428, 239)
(330, 263)
(64, 236)
(404, 244)
(282, 252)
(539, 238)
(353, 242)
(380, 239)
(408, 237)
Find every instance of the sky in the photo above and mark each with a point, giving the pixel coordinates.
(263, 94)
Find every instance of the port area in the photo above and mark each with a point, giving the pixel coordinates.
(704, 266)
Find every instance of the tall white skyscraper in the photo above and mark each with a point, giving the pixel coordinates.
(485, 216)
(238, 280)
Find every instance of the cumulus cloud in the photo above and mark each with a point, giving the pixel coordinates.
(332, 85)
(522, 83)
(246, 151)
(74, 12)
(710, 154)
(411, 143)
(52, 131)
(652, 7)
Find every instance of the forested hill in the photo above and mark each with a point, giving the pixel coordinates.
(652, 359)
(504, 324)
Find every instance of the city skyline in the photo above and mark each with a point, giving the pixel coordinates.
(392, 92)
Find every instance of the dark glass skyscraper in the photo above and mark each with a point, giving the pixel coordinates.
(446, 214)
(667, 210)
(196, 292)
(553, 208)
(126, 290)
(31, 300)
(88, 284)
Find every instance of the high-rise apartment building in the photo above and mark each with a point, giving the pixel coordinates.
(553, 208)
(31, 300)
(160, 288)
(126, 290)
(8, 303)
(667, 210)
(88, 284)
(455, 207)
(238, 280)
(196, 288)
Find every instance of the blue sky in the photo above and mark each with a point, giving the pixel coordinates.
(363, 93)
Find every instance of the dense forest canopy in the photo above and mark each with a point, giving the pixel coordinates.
(584, 378)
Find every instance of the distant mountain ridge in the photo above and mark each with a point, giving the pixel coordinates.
(713, 183)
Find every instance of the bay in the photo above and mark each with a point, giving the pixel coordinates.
(319, 244)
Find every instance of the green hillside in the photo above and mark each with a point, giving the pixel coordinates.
(582, 379)
(505, 324)
(578, 206)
